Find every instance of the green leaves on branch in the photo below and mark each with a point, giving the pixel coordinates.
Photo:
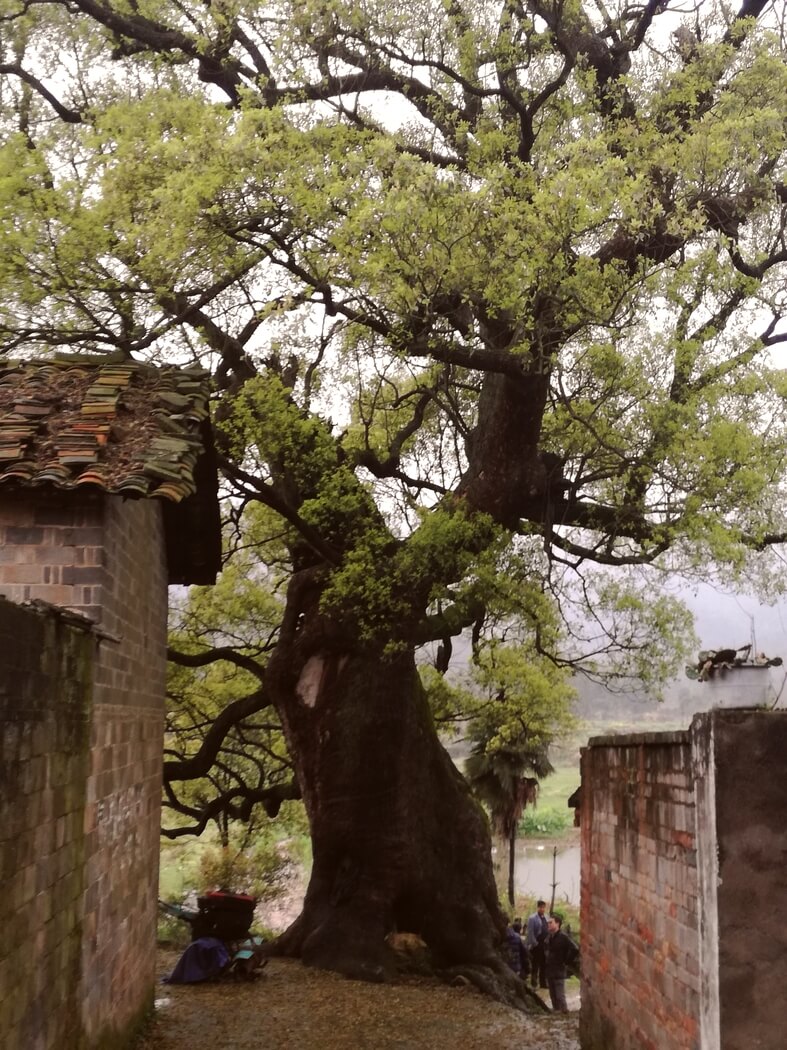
(388, 583)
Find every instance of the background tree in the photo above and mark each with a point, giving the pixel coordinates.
(478, 282)
(498, 778)
(519, 705)
(220, 637)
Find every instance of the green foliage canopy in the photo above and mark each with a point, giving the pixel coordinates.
(478, 282)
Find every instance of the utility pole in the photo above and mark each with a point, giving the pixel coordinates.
(554, 880)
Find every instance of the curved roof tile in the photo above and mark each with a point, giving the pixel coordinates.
(126, 428)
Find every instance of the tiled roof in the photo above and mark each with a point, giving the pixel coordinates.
(128, 429)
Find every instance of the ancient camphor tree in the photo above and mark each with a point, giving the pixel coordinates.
(490, 292)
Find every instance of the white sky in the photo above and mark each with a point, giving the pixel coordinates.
(728, 620)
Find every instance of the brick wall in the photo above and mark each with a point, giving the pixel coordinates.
(52, 549)
(45, 698)
(124, 786)
(684, 908)
(640, 950)
(104, 557)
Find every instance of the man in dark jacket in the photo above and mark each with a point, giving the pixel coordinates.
(561, 952)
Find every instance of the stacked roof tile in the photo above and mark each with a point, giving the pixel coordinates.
(127, 428)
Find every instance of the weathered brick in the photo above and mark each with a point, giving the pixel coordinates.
(84, 536)
(23, 535)
(82, 883)
(23, 573)
(633, 840)
(55, 594)
(81, 575)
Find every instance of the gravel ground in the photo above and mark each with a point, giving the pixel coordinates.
(291, 1007)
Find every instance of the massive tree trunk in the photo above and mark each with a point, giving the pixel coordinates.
(398, 842)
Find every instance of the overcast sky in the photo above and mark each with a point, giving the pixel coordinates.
(727, 620)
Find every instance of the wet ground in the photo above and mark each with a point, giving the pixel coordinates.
(294, 1008)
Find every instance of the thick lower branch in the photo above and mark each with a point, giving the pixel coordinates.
(200, 763)
(212, 656)
(236, 803)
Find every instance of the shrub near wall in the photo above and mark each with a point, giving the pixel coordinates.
(46, 673)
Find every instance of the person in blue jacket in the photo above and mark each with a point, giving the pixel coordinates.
(535, 940)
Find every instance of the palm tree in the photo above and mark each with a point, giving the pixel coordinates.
(497, 777)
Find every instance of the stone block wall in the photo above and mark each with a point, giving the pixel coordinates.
(640, 950)
(104, 557)
(46, 674)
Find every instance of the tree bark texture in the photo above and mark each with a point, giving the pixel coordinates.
(398, 842)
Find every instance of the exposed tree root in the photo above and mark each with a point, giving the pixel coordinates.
(407, 954)
(500, 984)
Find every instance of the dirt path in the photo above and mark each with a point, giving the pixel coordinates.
(293, 1008)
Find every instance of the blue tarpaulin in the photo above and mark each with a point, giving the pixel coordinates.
(203, 960)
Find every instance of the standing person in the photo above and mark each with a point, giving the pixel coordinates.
(524, 973)
(535, 940)
(516, 953)
(560, 952)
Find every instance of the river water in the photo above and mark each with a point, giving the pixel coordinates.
(534, 866)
